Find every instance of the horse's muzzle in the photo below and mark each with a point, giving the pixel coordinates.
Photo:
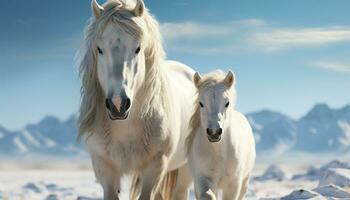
(214, 135)
(122, 113)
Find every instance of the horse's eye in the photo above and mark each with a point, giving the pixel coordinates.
(138, 50)
(201, 104)
(227, 104)
(99, 50)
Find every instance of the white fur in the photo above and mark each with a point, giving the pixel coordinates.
(151, 141)
(224, 165)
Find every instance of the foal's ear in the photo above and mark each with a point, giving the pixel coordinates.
(229, 79)
(139, 8)
(96, 9)
(196, 78)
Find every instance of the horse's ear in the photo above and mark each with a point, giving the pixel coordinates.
(96, 9)
(139, 8)
(196, 78)
(229, 79)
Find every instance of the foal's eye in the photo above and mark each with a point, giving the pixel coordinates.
(138, 50)
(99, 50)
(201, 104)
(227, 104)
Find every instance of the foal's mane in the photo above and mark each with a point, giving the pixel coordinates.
(92, 116)
(208, 80)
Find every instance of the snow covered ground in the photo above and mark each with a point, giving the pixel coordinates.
(272, 182)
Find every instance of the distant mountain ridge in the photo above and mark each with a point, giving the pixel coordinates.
(48, 137)
(321, 130)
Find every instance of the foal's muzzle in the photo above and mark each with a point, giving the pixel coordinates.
(122, 113)
(214, 135)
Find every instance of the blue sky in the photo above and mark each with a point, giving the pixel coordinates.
(287, 55)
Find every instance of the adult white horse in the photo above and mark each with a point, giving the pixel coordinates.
(221, 144)
(135, 106)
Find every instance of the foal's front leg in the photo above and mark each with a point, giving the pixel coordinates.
(232, 190)
(152, 177)
(204, 188)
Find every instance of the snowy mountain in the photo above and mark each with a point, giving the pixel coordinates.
(49, 137)
(322, 129)
(273, 130)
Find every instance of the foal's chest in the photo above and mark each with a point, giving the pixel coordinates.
(229, 166)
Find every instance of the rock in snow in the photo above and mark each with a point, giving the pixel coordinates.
(336, 164)
(323, 192)
(339, 177)
(302, 194)
(332, 191)
(272, 173)
(32, 187)
(334, 179)
(314, 173)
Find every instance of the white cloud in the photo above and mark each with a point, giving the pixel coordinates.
(247, 35)
(334, 66)
(190, 29)
(279, 39)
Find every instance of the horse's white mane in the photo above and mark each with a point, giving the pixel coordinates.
(92, 116)
(213, 78)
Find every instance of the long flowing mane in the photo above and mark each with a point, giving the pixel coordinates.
(206, 81)
(92, 116)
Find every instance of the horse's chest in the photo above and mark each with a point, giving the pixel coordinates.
(128, 154)
(131, 147)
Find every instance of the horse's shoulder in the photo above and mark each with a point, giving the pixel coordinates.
(240, 122)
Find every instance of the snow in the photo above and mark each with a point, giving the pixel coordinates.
(19, 144)
(47, 141)
(274, 184)
(30, 138)
(49, 184)
(82, 185)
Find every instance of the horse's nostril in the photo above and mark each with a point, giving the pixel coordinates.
(209, 131)
(219, 131)
(108, 104)
(127, 103)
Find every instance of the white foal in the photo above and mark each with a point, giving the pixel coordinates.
(221, 146)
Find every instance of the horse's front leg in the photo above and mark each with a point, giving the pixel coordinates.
(152, 177)
(107, 175)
